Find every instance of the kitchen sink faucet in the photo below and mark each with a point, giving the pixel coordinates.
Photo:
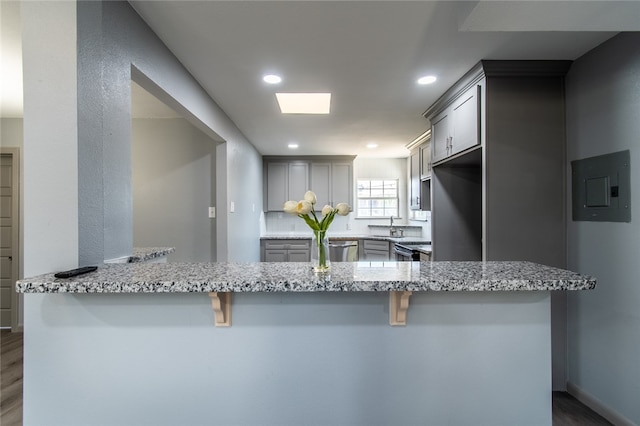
(392, 230)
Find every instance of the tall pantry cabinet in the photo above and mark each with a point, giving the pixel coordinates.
(498, 176)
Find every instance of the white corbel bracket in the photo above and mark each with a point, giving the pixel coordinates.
(398, 306)
(221, 303)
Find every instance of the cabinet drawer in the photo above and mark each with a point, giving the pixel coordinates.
(275, 244)
(379, 255)
(287, 244)
(299, 245)
(275, 256)
(299, 256)
(376, 245)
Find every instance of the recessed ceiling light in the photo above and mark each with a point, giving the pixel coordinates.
(372, 145)
(304, 103)
(427, 79)
(292, 145)
(272, 79)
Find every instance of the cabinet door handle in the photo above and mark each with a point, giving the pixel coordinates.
(417, 201)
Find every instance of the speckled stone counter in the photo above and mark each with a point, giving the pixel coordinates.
(298, 277)
(145, 254)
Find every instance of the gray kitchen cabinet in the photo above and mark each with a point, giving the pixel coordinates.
(285, 181)
(332, 183)
(425, 160)
(278, 250)
(419, 165)
(271, 255)
(288, 178)
(298, 180)
(414, 182)
(320, 179)
(299, 256)
(440, 136)
(457, 128)
(277, 185)
(375, 250)
(498, 192)
(341, 183)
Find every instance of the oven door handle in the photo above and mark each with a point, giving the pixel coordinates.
(402, 251)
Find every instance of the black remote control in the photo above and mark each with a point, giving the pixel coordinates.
(73, 272)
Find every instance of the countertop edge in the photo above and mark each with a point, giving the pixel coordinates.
(297, 277)
(143, 254)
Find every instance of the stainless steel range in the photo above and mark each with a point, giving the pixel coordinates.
(408, 251)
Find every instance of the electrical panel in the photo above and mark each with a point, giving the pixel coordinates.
(601, 188)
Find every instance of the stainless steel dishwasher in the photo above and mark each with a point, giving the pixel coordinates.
(343, 250)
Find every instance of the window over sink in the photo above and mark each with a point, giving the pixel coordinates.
(377, 198)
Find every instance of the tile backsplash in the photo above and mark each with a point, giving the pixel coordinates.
(284, 223)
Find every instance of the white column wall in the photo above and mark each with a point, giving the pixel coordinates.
(50, 155)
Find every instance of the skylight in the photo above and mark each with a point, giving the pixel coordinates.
(304, 103)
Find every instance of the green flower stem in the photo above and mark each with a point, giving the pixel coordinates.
(322, 255)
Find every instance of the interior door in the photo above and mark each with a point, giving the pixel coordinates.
(7, 258)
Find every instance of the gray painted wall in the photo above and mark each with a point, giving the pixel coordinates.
(173, 187)
(603, 107)
(113, 44)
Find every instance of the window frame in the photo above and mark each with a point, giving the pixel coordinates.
(370, 209)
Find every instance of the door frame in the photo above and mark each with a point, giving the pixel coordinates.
(16, 262)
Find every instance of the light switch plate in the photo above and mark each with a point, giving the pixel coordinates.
(212, 212)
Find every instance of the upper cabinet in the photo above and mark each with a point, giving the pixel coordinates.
(332, 182)
(414, 182)
(457, 127)
(285, 181)
(425, 161)
(288, 178)
(419, 166)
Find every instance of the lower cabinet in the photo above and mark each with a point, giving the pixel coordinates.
(375, 250)
(285, 250)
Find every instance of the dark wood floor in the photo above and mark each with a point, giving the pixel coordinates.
(567, 411)
(10, 378)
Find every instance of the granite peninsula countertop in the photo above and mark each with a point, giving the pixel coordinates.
(298, 277)
(143, 254)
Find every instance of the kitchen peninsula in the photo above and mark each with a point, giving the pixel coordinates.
(136, 344)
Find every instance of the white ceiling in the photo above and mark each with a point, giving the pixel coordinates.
(367, 53)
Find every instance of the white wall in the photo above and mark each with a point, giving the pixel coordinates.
(173, 187)
(603, 107)
(50, 154)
